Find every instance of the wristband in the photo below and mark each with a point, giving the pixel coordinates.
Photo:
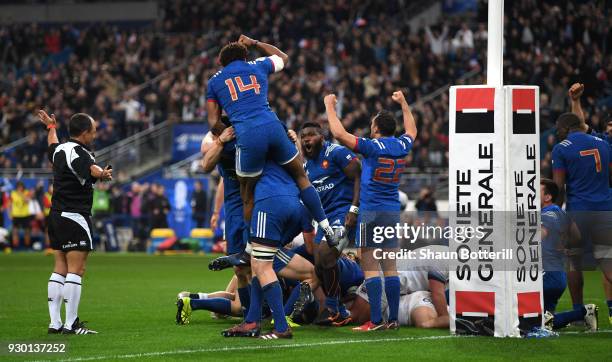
(354, 209)
(51, 126)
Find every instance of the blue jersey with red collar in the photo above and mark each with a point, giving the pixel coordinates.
(382, 166)
(241, 89)
(326, 173)
(585, 159)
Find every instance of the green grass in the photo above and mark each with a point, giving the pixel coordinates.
(130, 299)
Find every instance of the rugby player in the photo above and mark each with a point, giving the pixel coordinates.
(581, 168)
(240, 88)
(278, 217)
(574, 93)
(383, 164)
(556, 227)
(74, 173)
(221, 154)
(335, 172)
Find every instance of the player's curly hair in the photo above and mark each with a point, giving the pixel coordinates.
(232, 51)
(386, 123)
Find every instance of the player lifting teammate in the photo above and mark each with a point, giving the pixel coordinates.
(241, 90)
(383, 163)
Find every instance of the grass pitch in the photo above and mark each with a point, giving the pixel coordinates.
(129, 299)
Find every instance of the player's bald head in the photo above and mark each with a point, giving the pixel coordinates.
(231, 52)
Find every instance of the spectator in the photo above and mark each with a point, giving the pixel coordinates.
(20, 214)
(160, 207)
(199, 204)
(437, 41)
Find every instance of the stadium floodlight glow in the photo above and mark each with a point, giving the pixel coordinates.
(494, 154)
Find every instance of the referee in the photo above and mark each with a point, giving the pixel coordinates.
(74, 173)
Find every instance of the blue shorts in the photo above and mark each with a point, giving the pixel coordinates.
(236, 233)
(554, 285)
(375, 229)
(255, 146)
(277, 220)
(336, 219)
(303, 252)
(282, 259)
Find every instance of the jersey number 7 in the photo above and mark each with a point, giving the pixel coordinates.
(241, 86)
(595, 153)
(389, 170)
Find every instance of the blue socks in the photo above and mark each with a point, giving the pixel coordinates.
(392, 290)
(564, 318)
(254, 313)
(274, 296)
(293, 297)
(245, 298)
(311, 200)
(579, 306)
(609, 307)
(374, 288)
(217, 305)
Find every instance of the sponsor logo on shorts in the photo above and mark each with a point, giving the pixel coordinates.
(83, 243)
(69, 245)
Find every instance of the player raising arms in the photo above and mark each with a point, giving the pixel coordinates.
(241, 90)
(335, 172)
(383, 163)
(581, 168)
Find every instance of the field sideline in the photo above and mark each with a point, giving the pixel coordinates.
(129, 299)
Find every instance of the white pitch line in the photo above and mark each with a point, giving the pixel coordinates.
(283, 346)
(258, 347)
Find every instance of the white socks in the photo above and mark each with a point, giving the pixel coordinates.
(72, 297)
(54, 297)
(203, 295)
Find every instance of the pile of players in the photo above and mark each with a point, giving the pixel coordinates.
(272, 192)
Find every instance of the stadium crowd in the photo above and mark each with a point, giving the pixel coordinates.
(332, 46)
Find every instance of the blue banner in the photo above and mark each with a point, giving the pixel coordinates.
(179, 192)
(187, 140)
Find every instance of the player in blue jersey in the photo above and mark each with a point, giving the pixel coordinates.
(221, 154)
(335, 172)
(558, 233)
(581, 165)
(384, 160)
(277, 211)
(574, 93)
(241, 90)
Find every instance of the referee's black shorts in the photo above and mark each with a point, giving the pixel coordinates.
(70, 231)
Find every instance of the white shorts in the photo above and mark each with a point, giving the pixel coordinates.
(408, 303)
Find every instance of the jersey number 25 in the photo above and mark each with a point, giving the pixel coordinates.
(241, 86)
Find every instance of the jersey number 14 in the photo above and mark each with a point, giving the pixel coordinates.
(241, 86)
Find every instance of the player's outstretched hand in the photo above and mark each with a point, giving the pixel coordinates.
(575, 91)
(398, 97)
(227, 135)
(107, 174)
(246, 40)
(44, 118)
(330, 101)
